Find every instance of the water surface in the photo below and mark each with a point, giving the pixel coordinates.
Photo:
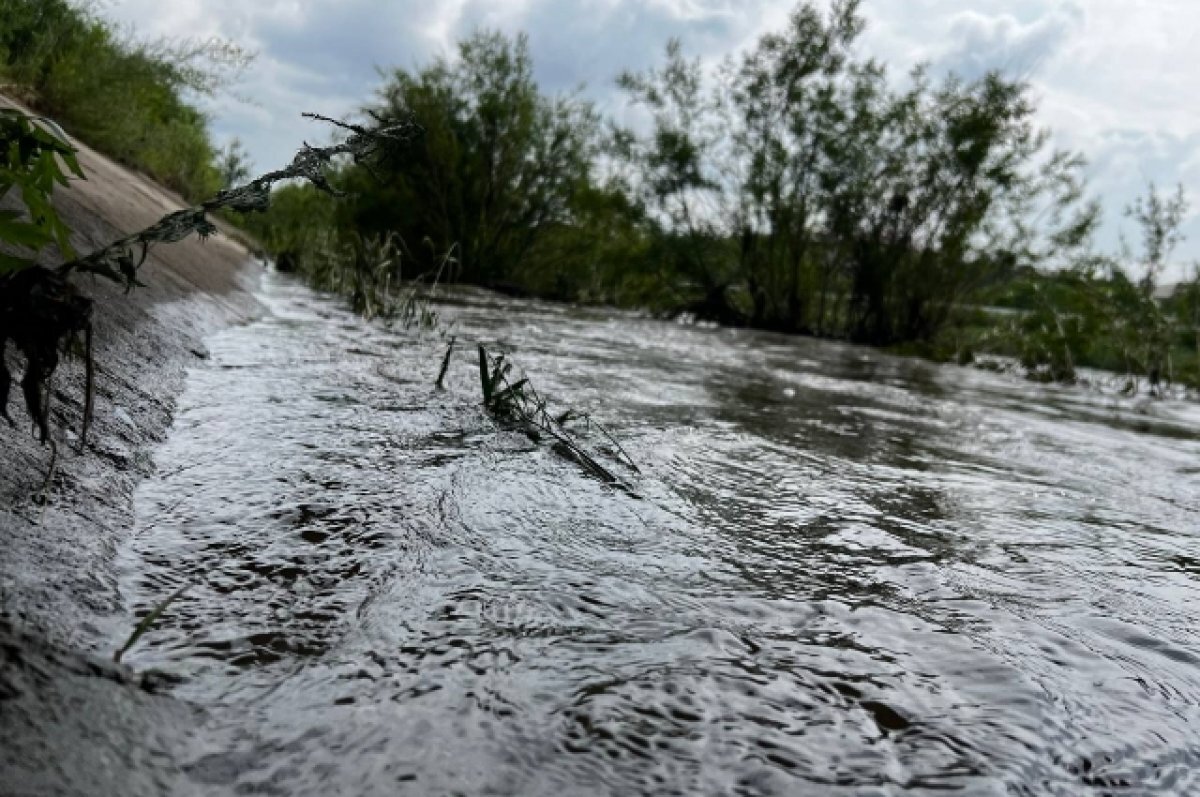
(839, 573)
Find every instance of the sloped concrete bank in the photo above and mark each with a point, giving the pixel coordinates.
(70, 721)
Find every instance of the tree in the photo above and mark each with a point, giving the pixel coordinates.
(1145, 329)
(953, 192)
(674, 172)
(788, 97)
(835, 204)
(1161, 220)
(497, 166)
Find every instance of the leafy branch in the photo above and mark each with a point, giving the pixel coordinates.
(35, 152)
(120, 260)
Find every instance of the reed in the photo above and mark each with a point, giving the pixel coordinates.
(441, 378)
(414, 306)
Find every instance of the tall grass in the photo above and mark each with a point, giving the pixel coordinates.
(369, 271)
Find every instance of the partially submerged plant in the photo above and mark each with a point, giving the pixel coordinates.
(366, 273)
(517, 403)
(445, 365)
(413, 306)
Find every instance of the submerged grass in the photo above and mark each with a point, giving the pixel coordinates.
(518, 404)
(417, 295)
(370, 275)
(369, 272)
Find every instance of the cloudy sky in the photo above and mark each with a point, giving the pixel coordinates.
(1117, 80)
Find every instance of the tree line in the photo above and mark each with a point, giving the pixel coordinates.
(799, 187)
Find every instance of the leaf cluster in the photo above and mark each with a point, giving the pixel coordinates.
(36, 158)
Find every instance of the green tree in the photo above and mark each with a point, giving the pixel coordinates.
(1099, 314)
(834, 204)
(1160, 219)
(498, 164)
(951, 190)
(1143, 325)
(126, 98)
(234, 165)
(789, 96)
(674, 172)
(1184, 304)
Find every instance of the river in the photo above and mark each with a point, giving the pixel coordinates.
(838, 572)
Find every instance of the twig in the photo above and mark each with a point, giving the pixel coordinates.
(43, 496)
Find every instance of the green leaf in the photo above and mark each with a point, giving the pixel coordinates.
(10, 264)
(149, 620)
(24, 233)
(31, 163)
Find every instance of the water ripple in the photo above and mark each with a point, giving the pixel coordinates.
(846, 574)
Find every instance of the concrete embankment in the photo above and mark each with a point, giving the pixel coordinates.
(67, 716)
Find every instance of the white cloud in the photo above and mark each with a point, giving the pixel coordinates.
(983, 42)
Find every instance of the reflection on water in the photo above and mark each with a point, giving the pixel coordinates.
(845, 573)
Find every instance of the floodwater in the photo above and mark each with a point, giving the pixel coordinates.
(838, 573)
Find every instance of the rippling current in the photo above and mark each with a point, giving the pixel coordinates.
(839, 573)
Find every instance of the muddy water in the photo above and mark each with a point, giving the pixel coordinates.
(838, 574)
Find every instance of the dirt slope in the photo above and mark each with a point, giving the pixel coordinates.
(65, 717)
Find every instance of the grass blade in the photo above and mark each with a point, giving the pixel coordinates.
(149, 620)
(485, 380)
(445, 365)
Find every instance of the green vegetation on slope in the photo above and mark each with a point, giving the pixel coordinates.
(125, 98)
